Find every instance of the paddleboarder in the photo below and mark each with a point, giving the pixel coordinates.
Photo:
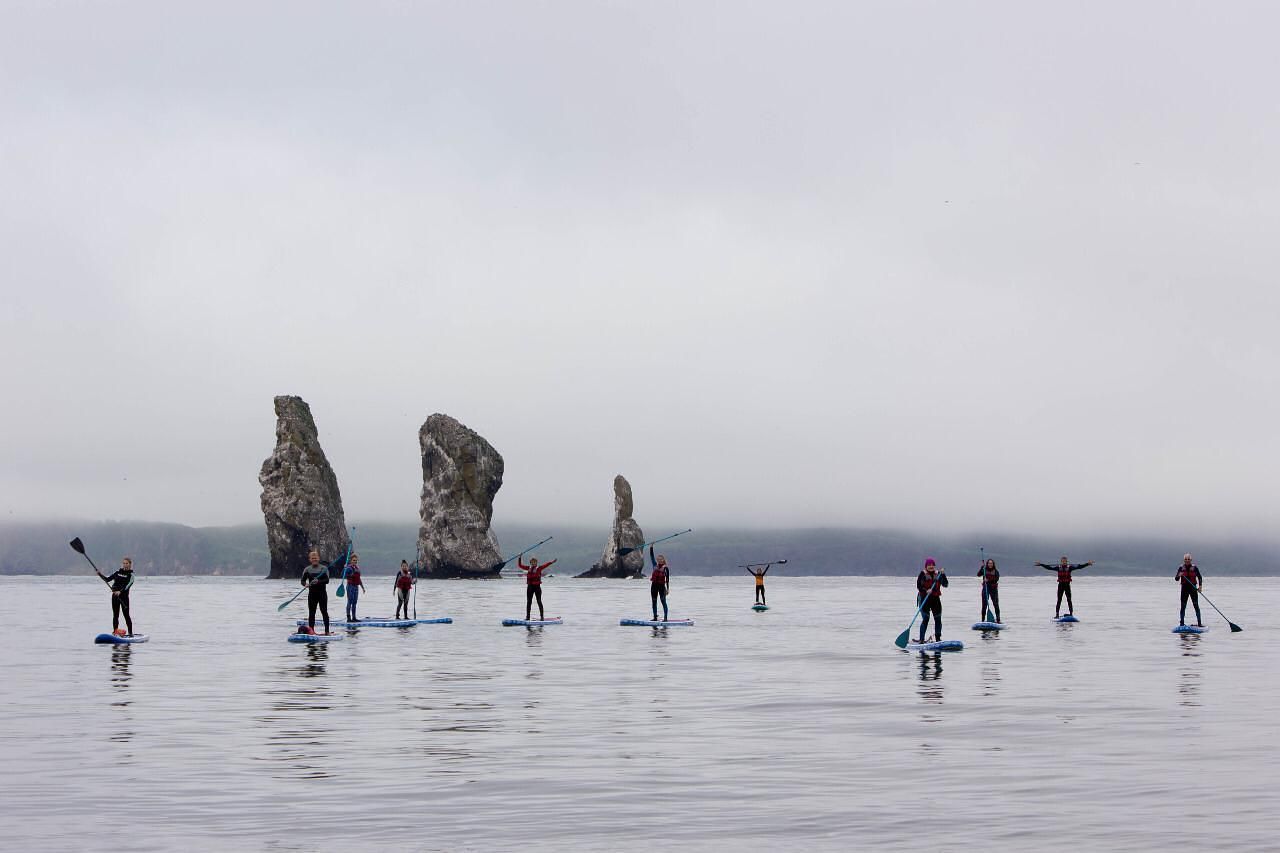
(120, 581)
(354, 586)
(1064, 569)
(929, 585)
(533, 586)
(990, 589)
(404, 582)
(759, 576)
(315, 578)
(659, 583)
(1191, 583)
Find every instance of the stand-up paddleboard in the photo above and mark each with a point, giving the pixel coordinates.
(534, 623)
(378, 623)
(936, 646)
(656, 623)
(759, 608)
(988, 626)
(314, 638)
(1189, 629)
(1067, 618)
(116, 640)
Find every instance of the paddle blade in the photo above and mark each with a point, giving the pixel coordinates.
(285, 604)
(901, 642)
(340, 591)
(77, 545)
(1235, 629)
(782, 562)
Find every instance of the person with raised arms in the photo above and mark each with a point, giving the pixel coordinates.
(120, 581)
(659, 583)
(1191, 583)
(990, 589)
(315, 578)
(1064, 569)
(929, 585)
(533, 586)
(759, 576)
(404, 582)
(354, 585)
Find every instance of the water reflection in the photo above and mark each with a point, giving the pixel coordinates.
(120, 677)
(990, 675)
(930, 686)
(317, 658)
(1189, 674)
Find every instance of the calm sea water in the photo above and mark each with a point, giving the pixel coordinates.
(801, 728)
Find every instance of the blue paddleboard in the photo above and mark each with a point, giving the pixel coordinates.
(369, 623)
(988, 626)
(121, 641)
(534, 623)
(1067, 619)
(1189, 629)
(659, 623)
(936, 646)
(759, 608)
(314, 638)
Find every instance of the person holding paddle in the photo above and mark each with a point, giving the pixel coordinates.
(659, 582)
(533, 588)
(759, 576)
(1191, 582)
(351, 574)
(1064, 570)
(316, 579)
(990, 589)
(120, 581)
(929, 585)
(404, 582)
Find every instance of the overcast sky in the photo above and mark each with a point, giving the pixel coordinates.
(955, 265)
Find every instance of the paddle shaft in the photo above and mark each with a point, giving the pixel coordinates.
(643, 545)
(905, 635)
(504, 563)
(1200, 592)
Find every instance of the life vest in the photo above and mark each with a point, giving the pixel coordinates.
(1064, 576)
(404, 581)
(1187, 574)
(659, 575)
(534, 576)
(926, 583)
(993, 576)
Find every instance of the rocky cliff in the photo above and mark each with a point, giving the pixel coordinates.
(461, 474)
(300, 499)
(626, 533)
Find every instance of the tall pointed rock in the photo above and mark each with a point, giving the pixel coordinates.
(626, 533)
(300, 499)
(461, 474)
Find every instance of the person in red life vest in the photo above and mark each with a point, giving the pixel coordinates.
(354, 585)
(533, 586)
(659, 583)
(1191, 582)
(929, 584)
(990, 589)
(404, 583)
(1064, 570)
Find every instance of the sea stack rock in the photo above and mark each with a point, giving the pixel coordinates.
(625, 534)
(300, 498)
(461, 474)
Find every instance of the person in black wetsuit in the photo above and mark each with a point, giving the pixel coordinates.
(1191, 582)
(929, 585)
(659, 582)
(120, 581)
(1064, 570)
(990, 589)
(315, 578)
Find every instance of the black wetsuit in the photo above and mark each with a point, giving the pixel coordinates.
(990, 592)
(1192, 580)
(317, 595)
(658, 586)
(933, 606)
(120, 581)
(1064, 584)
(760, 584)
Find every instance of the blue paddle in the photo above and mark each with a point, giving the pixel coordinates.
(341, 591)
(905, 636)
(497, 567)
(622, 552)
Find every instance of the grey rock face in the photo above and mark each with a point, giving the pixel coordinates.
(300, 499)
(461, 474)
(625, 534)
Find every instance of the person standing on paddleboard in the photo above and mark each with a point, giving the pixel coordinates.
(659, 583)
(1064, 570)
(1191, 582)
(990, 589)
(929, 584)
(533, 586)
(120, 580)
(315, 578)
(759, 576)
(404, 583)
(354, 586)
